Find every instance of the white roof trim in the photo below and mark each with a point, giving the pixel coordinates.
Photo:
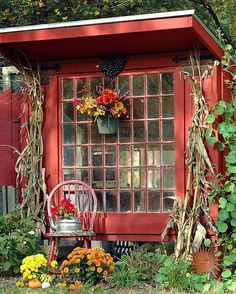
(98, 21)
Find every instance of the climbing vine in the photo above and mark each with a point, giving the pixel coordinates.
(223, 134)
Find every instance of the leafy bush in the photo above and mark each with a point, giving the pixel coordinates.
(86, 267)
(17, 240)
(178, 274)
(139, 266)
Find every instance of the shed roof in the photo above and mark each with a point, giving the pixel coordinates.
(125, 35)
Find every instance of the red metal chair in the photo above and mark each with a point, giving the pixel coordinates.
(84, 197)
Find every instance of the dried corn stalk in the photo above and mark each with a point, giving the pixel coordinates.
(30, 172)
(185, 216)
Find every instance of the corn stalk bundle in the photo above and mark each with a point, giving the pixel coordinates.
(186, 216)
(30, 172)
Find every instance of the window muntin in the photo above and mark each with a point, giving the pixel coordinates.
(132, 171)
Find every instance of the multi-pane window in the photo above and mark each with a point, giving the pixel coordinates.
(133, 170)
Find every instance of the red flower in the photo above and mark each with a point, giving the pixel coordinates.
(66, 209)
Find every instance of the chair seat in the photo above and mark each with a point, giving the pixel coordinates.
(75, 234)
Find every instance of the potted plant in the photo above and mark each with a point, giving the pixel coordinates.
(66, 217)
(106, 109)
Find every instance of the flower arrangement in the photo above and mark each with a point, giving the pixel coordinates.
(65, 210)
(86, 267)
(107, 102)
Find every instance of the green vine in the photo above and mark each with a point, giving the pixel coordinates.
(223, 134)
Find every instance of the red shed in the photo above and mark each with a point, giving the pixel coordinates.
(136, 170)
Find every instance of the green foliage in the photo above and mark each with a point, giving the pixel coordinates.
(17, 240)
(179, 275)
(140, 266)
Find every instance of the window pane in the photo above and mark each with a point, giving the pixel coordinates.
(68, 134)
(153, 131)
(138, 131)
(167, 83)
(138, 85)
(139, 178)
(110, 155)
(153, 201)
(168, 154)
(97, 178)
(124, 155)
(110, 178)
(81, 117)
(168, 177)
(154, 155)
(67, 89)
(111, 138)
(168, 106)
(94, 84)
(139, 201)
(125, 177)
(82, 175)
(111, 201)
(138, 108)
(153, 178)
(152, 107)
(109, 83)
(168, 130)
(95, 136)
(124, 131)
(139, 155)
(81, 87)
(96, 156)
(68, 112)
(125, 202)
(167, 201)
(82, 134)
(152, 84)
(68, 156)
(100, 201)
(68, 174)
(82, 156)
(123, 84)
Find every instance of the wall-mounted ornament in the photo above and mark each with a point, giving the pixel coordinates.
(112, 66)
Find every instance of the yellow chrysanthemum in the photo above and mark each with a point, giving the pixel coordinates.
(77, 270)
(92, 268)
(54, 264)
(66, 270)
(99, 269)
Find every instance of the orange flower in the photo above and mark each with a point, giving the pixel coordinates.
(66, 270)
(105, 273)
(92, 268)
(99, 269)
(77, 270)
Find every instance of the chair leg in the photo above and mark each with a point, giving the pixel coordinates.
(87, 243)
(51, 251)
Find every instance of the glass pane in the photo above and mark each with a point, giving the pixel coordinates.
(138, 155)
(110, 178)
(97, 178)
(152, 84)
(168, 130)
(168, 177)
(68, 112)
(95, 83)
(95, 136)
(138, 108)
(100, 201)
(139, 201)
(125, 177)
(67, 89)
(81, 87)
(82, 156)
(168, 106)
(82, 175)
(81, 117)
(138, 131)
(124, 155)
(125, 202)
(68, 134)
(154, 155)
(96, 156)
(168, 154)
(109, 83)
(68, 174)
(111, 138)
(138, 85)
(110, 155)
(153, 131)
(123, 83)
(82, 134)
(111, 201)
(139, 180)
(153, 178)
(167, 83)
(68, 156)
(153, 201)
(167, 201)
(153, 107)
(124, 131)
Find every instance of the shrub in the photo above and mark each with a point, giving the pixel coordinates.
(17, 240)
(86, 267)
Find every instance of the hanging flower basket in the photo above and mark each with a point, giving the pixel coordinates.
(107, 124)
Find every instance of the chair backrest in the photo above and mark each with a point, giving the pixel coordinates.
(81, 194)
